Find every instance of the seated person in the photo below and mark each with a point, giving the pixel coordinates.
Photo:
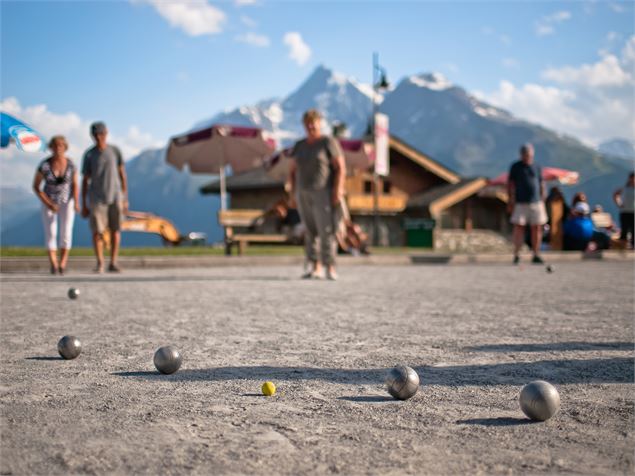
(352, 240)
(287, 220)
(579, 231)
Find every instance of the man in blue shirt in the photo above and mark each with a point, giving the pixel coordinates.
(526, 191)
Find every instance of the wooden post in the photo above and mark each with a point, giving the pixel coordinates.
(468, 215)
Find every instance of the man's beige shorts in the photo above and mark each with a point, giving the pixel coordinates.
(104, 216)
(529, 214)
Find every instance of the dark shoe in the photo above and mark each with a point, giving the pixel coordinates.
(53, 270)
(113, 268)
(537, 260)
(61, 270)
(516, 259)
(312, 275)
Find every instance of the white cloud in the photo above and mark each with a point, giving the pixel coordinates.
(194, 17)
(537, 103)
(299, 51)
(17, 168)
(606, 72)
(592, 101)
(546, 25)
(244, 3)
(628, 54)
(254, 39)
(248, 21)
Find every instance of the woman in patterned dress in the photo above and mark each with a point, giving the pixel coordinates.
(59, 199)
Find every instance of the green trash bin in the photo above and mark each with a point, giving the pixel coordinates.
(419, 232)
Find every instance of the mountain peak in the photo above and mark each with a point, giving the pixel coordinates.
(434, 81)
(323, 79)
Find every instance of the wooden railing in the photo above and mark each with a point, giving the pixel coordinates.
(364, 203)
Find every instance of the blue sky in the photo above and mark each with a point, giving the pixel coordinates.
(153, 68)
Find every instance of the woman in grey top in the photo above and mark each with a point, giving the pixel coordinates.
(317, 173)
(59, 201)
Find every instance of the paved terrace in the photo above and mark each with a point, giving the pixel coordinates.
(475, 334)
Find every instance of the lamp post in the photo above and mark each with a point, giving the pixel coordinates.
(380, 82)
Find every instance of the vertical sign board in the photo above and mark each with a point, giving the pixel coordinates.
(382, 159)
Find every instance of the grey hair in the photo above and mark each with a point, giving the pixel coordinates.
(525, 148)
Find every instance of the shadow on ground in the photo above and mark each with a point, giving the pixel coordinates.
(554, 346)
(500, 421)
(612, 370)
(44, 357)
(368, 399)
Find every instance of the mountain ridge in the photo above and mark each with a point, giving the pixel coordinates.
(426, 110)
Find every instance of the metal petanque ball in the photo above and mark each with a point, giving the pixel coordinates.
(539, 400)
(549, 269)
(73, 293)
(167, 360)
(402, 382)
(69, 347)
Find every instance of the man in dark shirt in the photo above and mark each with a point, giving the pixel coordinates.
(526, 191)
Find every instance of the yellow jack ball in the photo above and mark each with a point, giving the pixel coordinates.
(268, 389)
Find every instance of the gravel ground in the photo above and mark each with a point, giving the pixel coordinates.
(475, 334)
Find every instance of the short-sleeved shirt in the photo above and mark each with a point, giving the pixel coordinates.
(628, 200)
(527, 180)
(313, 162)
(102, 166)
(579, 228)
(58, 189)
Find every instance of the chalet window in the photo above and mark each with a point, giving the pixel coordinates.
(368, 186)
(387, 186)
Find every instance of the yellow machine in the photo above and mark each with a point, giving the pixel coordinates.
(149, 223)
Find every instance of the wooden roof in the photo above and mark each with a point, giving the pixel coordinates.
(442, 197)
(258, 179)
(423, 160)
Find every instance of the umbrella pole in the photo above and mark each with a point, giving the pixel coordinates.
(223, 189)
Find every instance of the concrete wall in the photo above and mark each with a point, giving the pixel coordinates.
(476, 241)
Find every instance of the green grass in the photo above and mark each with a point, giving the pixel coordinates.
(253, 250)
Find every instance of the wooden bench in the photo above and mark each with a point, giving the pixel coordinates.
(244, 219)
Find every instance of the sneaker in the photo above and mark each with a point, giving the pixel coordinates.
(61, 270)
(516, 259)
(53, 270)
(313, 274)
(98, 269)
(331, 275)
(113, 268)
(537, 260)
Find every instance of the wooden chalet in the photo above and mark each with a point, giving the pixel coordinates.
(418, 187)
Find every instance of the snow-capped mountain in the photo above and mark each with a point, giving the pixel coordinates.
(425, 110)
(622, 148)
(339, 98)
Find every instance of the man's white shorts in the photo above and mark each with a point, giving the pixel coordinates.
(529, 214)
